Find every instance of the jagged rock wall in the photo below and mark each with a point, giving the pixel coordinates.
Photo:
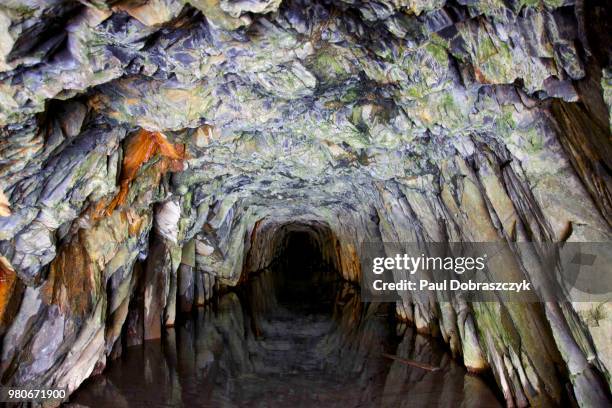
(379, 120)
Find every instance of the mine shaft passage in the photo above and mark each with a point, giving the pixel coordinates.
(293, 334)
(303, 281)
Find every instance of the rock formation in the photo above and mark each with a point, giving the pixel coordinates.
(152, 152)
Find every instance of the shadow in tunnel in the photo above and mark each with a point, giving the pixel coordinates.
(292, 334)
(303, 280)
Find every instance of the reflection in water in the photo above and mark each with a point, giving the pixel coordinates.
(272, 345)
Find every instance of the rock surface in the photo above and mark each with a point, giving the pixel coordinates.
(154, 151)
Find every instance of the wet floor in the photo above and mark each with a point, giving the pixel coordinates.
(268, 345)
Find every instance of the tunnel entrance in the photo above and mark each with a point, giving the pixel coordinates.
(303, 280)
(293, 333)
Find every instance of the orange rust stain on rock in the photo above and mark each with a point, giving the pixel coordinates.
(5, 209)
(134, 222)
(74, 280)
(98, 210)
(8, 279)
(351, 263)
(76, 275)
(132, 101)
(480, 77)
(139, 150)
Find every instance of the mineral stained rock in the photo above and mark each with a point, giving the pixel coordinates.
(408, 121)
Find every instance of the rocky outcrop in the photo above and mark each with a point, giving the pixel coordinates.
(152, 152)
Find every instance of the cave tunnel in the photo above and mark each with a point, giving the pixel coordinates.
(186, 187)
(294, 332)
(305, 265)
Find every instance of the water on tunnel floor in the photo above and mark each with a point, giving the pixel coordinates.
(292, 336)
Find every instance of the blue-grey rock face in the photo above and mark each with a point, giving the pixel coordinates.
(406, 121)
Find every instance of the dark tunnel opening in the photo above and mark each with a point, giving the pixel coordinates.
(303, 280)
(292, 333)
